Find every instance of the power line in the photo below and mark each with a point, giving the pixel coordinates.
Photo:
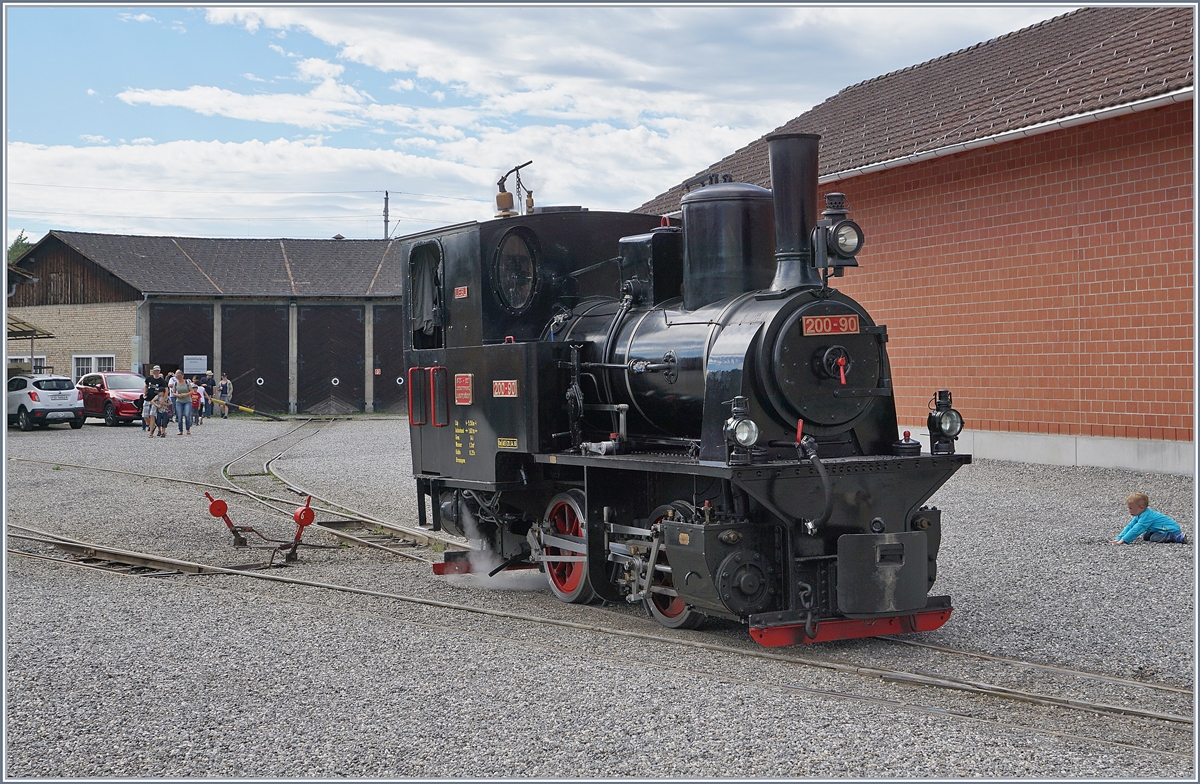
(217, 218)
(278, 193)
(164, 190)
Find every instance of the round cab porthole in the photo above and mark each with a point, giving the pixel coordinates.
(515, 271)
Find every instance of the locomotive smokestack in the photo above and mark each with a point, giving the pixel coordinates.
(794, 188)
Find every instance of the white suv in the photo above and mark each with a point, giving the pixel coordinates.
(43, 399)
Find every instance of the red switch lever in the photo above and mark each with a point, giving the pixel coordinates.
(303, 516)
(218, 508)
(842, 369)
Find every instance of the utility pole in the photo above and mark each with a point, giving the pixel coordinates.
(385, 215)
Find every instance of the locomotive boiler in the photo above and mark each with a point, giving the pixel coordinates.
(686, 416)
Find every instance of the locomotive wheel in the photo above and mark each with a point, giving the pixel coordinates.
(671, 611)
(568, 579)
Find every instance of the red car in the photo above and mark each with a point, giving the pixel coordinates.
(114, 396)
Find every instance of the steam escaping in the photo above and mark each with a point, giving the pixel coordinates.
(485, 560)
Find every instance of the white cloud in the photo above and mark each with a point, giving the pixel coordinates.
(613, 105)
(143, 140)
(90, 139)
(136, 18)
(315, 69)
(326, 108)
(91, 91)
(216, 189)
(581, 83)
(417, 141)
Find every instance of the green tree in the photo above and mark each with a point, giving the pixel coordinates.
(19, 246)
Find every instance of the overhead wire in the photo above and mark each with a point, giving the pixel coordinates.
(240, 218)
(234, 192)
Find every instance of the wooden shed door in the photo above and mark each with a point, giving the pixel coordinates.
(176, 330)
(390, 392)
(254, 354)
(330, 342)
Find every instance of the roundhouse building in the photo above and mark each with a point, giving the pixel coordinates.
(298, 325)
(1028, 208)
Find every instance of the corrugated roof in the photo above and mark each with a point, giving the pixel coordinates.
(191, 266)
(19, 328)
(1081, 62)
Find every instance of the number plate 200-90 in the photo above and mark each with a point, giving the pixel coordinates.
(829, 325)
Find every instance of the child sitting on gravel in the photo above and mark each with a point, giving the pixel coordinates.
(1150, 525)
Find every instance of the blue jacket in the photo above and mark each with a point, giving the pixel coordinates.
(1148, 520)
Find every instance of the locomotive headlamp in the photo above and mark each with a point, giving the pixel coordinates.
(949, 422)
(846, 239)
(745, 432)
(944, 424)
(740, 429)
(836, 239)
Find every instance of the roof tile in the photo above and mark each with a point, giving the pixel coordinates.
(190, 266)
(1089, 59)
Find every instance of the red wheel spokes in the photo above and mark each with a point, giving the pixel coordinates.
(669, 606)
(565, 574)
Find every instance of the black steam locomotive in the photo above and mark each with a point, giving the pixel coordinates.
(684, 416)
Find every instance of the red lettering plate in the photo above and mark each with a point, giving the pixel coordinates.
(830, 325)
(504, 388)
(462, 389)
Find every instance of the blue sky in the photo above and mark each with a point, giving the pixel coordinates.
(291, 121)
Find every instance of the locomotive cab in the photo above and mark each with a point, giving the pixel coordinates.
(686, 416)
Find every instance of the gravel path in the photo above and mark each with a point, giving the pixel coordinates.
(231, 677)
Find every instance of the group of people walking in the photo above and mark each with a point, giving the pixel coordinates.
(186, 401)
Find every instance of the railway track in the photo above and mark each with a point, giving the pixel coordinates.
(337, 528)
(394, 530)
(1041, 666)
(1143, 718)
(79, 553)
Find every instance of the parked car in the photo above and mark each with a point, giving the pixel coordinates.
(42, 399)
(116, 397)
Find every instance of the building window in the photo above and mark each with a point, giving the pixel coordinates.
(96, 363)
(39, 363)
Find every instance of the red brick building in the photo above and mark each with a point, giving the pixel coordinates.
(1028, 204)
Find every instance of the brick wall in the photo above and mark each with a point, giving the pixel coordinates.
(1048, 282)
(105, 328)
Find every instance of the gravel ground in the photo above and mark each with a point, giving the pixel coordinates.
(231, 677)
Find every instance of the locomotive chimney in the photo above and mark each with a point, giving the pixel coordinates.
(794, 188)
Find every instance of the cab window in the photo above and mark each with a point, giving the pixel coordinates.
(426, 310)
